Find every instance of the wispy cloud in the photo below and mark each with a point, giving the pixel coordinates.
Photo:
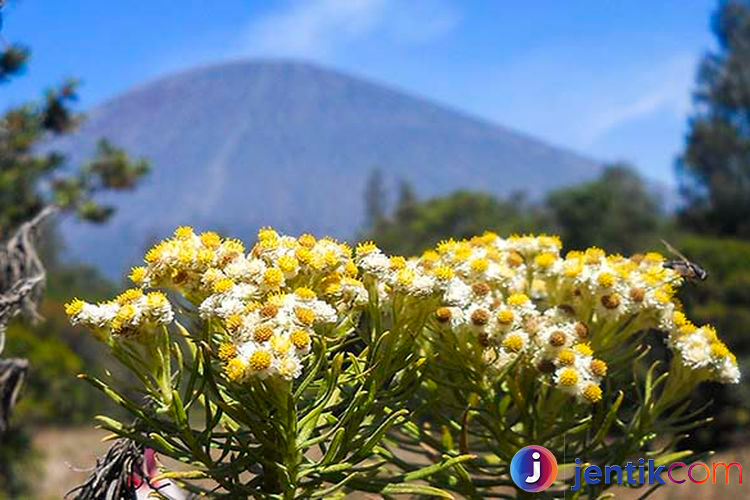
(320, 28)
(668, 93)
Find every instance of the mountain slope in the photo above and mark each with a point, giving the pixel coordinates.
(240, 145)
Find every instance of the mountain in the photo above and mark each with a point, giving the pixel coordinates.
(246, 144)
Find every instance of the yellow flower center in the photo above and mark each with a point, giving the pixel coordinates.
(306, 240)
(397, 263)
(233, 247)
(568, 377)
(461, 253)
(206, 257)
(227, 351)
(155, 300)
(513, 343)
(443, 273)
(183, 232)
(479, 265)
(74, 307)
(267, 234)
(262, 333)
(304, 315)
(154, 254)
(572, 268)
(287, 264)
(505, 317)
(300, 339)
(303, 255)
(223, 285)
(125, 313)
(210, 239)
(583, 349)
(719, 350)
(598, 367)
(273, 277)
(304, 293)
(686, 329)
(129, 296)
(679, 318)
(233, 322)
(137, 275)
(405, 277)
(350, 269)
(605, 280)
(653, 258)
(235, 369)
(443, 314)
(259, 361)
(566, 357)
(365, 248)
(545, 260)
(550, 241)
(430, 256)
(517, 299)
(593, 255)
(445, 246)
(592, 393)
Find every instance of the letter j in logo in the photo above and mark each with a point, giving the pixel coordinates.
(533, 468)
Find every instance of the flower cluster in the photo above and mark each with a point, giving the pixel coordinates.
(521, 300)
(271, 337)
(262, 305)
(516, 298)
(131, 313)
(701, 350)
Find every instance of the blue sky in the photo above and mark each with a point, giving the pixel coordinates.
(610, 79)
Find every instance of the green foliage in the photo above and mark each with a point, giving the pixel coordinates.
(23, 171)
(12, 61)
(615, 212)
(57, 353)
(722, 300)
(715, 168)
(415, 226)
(18, 464)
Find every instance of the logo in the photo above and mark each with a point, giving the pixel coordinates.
(533, 468)
(639, 473)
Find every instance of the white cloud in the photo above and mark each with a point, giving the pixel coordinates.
(319, 28)
(667, 92)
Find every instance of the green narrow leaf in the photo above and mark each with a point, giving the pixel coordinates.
(604, 429)
(334, 447)
(414, 489)
(435, 468)
(365, 450)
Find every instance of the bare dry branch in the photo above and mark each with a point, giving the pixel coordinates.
(22, 273)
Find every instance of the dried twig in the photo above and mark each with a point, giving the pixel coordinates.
(22, 274)
(112, 478)
(22, 279)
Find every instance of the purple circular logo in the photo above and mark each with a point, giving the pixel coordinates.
(533, 468)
